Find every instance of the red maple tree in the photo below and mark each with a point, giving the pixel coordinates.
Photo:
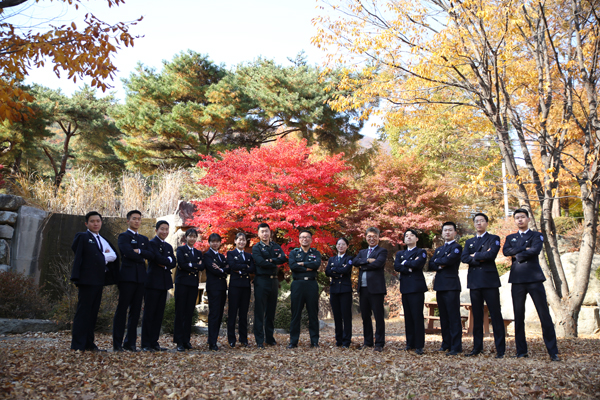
(286, 185)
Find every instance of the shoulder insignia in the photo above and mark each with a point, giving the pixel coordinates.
(350, 262)
(497, 243)
(424, 255)
(456, 251)
(542, 238)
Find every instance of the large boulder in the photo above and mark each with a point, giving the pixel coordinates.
(569, 262)
(6, 231)
(8, 217)
(589, 321)
(10, 203)
(12, 326)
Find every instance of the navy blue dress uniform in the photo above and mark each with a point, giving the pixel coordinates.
(410, 264)
(132, 279)
(216, 290)
(241, 265)
(305, 291)
(447, 286)
(483, 281)
(266, 288)
(189, 266)
(527, 276)
(158, 282)
(372, 291)
(339, 269)
(92, 270)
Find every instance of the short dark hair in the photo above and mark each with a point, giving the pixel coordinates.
(161, 222)
(450, 223)
(345, 241)
(240, 234)
(411, 230)
(263, 225)
(372, 229)
(305, 231)
(130, 213)
(214, 237)
(91, 214)
(521, 211)
(480, 214)
(190, 232)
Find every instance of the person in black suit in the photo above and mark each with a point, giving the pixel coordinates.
(446, 260)
(158, 282)
(339, 269)
(526, 276)
(189, 265)
(135, 250)
(371, 289)
(96, 264)
(216, 288)
(410, 263)
(241, 265)
(268, 257)
(483, 281)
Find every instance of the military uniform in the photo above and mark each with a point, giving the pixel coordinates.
(241, 265)
(447, 287)
(305, 290)
(189, 262)
(483, 282)
(216, 291)
(410, 264)
(527, 276)
(266, 288)
(339, 269)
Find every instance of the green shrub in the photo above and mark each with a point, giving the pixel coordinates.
(463, 239)
(502, 268)
(283, 315)
(20, 297)
(565, 224)
(64, 311)
(168, 322)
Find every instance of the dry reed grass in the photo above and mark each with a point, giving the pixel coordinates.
(85, 189)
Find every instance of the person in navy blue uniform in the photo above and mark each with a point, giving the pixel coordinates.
(372, 289)
(445, 261)
(158, 282)
(339, 269)
(189, 266)
(96, 265)
(304, 264)
(410, 263)
(135, 250)
(483, 281)
(526, 276)
(241, 265)
(268, 257)
(216, 288)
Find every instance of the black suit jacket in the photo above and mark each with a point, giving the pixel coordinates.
(483, 273)
(340, 272)
(240, 268)
(446, 278)
(374, 270)
(215, 279)
(187, 274)
(89, 266)
(159, 268)
(407, 260)
(525, 266)
(133, 265)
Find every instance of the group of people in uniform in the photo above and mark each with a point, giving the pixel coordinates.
(97, 264)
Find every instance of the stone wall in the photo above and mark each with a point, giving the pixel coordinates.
(9, 205)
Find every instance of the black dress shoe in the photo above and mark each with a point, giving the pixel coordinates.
(150, 349)
(378, 348)
(158, 348)
(408, 348)
(345, 346)
(473, 353)
(245, 345)
(291, 346)
(188, 346)
(273, 343)
(419, 352)
(442, 349)
(314, 345)
(523, 355)
(452, 353)
(554, 357)
(213, 347)
(180, 348)
(260, 346)
(499, 356)
(232, 345)
(118, 349)
(365, 346)
(130, 348)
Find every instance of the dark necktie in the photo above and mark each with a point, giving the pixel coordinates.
(99, 243)
(369, 252)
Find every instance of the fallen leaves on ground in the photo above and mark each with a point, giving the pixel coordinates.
(42, 366)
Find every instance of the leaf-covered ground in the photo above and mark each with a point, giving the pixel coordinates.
(42, 366)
